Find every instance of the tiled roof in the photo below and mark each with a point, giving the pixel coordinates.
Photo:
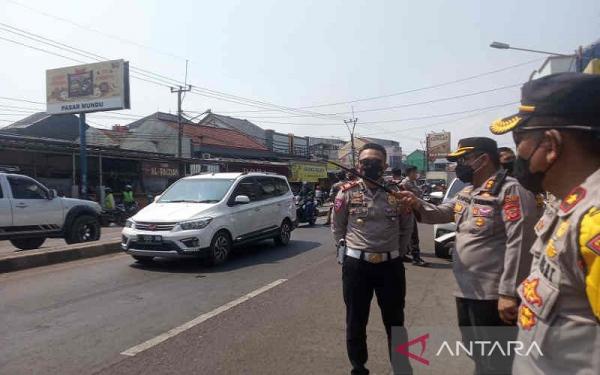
(208, 135)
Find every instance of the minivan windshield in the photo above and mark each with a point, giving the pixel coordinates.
(196, 191)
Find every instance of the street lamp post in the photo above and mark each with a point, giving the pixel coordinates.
(500, 45)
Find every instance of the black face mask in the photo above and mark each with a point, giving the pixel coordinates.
(465, 173)
(372, 168)
(529, 180)
(509, 167)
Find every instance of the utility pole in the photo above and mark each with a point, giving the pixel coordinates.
(180, 90)
(83, 188)
(352, 121)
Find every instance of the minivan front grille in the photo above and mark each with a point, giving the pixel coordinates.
(153, 227)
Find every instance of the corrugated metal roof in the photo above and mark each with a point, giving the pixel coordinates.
(28, 121)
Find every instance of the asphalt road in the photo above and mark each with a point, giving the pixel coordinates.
(108, 233)
(79, 317)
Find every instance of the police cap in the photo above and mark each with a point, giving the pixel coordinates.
(557, 101)
(474, 144)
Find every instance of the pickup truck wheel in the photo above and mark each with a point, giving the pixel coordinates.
(84, 229)
(28, 243)
(220, 247)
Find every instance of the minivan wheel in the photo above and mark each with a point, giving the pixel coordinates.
(285, 233)
(28, 243)
(220, 248)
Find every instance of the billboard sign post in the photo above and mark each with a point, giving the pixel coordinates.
(438, 145)
(102, 86)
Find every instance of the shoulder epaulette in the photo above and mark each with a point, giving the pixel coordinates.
(494, 184)
(349, 185)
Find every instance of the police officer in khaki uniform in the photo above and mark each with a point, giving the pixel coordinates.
(410, 183)
(374, 227)
(557, 133)
(494, 217)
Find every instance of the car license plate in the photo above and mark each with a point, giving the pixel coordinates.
(146, 238)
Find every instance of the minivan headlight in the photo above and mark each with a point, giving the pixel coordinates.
(194, 224)
(130, 224)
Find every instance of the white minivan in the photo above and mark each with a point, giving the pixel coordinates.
(207, 214)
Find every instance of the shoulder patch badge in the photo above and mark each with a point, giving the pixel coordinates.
(594, 244)
(571, 200)
(512, 208)
(589, 249)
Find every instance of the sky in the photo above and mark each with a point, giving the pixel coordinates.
(267, 60)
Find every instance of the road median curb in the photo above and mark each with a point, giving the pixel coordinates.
(36, 258)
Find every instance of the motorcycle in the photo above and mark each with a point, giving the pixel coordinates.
(306, 210)
(119, 215)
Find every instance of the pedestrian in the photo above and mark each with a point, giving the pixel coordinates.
(410, 183)
(495, 216)
(557, 134)
(373, 231)
(507, 159)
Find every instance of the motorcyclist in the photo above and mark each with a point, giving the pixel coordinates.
(109, 199)
(128, 199)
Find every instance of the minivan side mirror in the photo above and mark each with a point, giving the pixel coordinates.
(52, 194)
(241, 199)
(157, 198)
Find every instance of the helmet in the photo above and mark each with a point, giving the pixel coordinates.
(128, 187)
(107, 190)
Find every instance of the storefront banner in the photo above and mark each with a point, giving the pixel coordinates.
(302, 172)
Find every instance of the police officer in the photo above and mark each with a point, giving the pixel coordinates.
(376, 232)
(495, 218)
(507, 159)
(410, 183)
(557, 133)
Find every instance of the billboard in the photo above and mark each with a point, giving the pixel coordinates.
(308, 172)
(438, 145)
(102, 86)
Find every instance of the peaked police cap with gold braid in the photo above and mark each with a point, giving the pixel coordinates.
(557, 101)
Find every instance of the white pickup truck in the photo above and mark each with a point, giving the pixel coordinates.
(30, 213)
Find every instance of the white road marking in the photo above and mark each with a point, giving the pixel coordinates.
(202, 318)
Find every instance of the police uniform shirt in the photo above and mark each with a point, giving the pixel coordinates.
(560, 308)
(370, 220)
(493, 239)
(411, 186)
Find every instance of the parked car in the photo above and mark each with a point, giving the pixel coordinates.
(30, 213)
(204, 216)
(444, 234)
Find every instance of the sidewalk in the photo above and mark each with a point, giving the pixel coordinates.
(57, 251)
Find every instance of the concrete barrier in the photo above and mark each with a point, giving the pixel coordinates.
(36, 258)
